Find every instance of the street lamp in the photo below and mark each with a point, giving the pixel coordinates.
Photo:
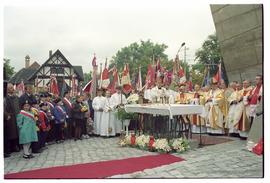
(183, 44)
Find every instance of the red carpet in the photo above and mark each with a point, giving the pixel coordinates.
(98, 169)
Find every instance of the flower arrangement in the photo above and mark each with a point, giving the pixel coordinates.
(180, 145)
(162, 145)
(125, 141)
(146, 142)
(142, 141)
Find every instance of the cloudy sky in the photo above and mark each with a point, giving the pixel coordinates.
(78, 32)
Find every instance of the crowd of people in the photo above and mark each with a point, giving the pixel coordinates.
(226, 110)
(34, 120)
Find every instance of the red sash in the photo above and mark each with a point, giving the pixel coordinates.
(50, 104)
(27, 114)
(62, 111)
(254, 95)
(67, 102)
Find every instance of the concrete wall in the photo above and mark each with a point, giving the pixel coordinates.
(239, 31)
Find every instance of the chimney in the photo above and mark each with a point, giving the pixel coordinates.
(27, 61)
(50, 53)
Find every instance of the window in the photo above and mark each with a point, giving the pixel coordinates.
(57, 70)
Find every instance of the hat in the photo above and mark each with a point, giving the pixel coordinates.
(25, 102)
(34, 101)
(42, 104)
(57, 100)
(42, 95)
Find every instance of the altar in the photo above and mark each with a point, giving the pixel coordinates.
(172, 115)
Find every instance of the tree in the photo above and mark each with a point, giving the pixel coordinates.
(87, 77)
(143, 54)
(8, 68)
(209, 53)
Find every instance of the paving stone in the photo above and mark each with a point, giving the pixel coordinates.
(221, 161)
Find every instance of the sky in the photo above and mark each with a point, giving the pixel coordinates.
(79, 32)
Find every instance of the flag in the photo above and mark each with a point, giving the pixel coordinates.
(74, 85)
(207, 77)
(168, 77)
(54, 86)
(93, 88)
(139, 80)
(217, 77)
(182, 75)
(125, 80)
(175, 77)
(87, 87)
(150, 77)
(20, 88)
(64, 87)
(94, 63)
(105, 80)
(115, 81)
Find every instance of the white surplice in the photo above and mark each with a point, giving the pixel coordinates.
(116, 100)
(98, 103)
(107, 125)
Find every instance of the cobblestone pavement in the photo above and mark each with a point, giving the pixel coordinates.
(227, 160)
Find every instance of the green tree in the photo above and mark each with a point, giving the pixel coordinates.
(87, 77)
(143, 54)
(209, 53)
(8, 68)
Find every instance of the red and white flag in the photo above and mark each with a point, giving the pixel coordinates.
(217, 77)
(105, 80)
(54, 86)
(139, 80)
(74, 85)
(93, 88)
(87, 87)
(182, 75)
(20, 88)
(125, 81)
(150, 77)
(115, 81)
(94, 61)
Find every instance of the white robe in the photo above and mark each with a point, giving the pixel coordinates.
(232, 110)
(98, 103)
(147, 94)
(156, 92)
(172, 95)
(107, 121)
(116, 100)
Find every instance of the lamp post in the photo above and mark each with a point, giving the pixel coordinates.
(183, 44)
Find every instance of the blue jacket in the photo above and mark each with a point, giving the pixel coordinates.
(59, 115)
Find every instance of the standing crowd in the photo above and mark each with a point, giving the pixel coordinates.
(34, 120)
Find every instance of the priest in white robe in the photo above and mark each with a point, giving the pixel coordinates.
(118, 100)
(107, 125)
(98, 106)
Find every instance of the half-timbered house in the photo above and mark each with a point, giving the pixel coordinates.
(56, 65)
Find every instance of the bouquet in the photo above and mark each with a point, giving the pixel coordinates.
(142, 141)
(162, 145)
(125, 141)
(180, 145)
